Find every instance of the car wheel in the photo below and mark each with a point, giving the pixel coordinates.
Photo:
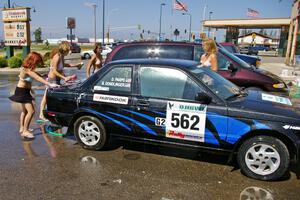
(87, 56)
(90, 133)
(263, 158)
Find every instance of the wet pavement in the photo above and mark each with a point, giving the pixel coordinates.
(53, 167)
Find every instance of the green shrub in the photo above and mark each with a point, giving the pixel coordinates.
(15, 62)
(3, 62)
(19, 55)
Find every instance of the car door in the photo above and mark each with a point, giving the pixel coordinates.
(167, 108)
(108, 96)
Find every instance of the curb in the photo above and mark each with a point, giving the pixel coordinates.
(8, 70)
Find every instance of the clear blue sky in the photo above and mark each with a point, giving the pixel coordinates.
(125, 15)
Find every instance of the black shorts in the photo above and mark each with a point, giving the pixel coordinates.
(22, 95)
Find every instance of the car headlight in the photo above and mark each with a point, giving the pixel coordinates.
(279, 85)
(258, 63)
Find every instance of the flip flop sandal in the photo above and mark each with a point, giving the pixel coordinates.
(27, 136)
(30, 130)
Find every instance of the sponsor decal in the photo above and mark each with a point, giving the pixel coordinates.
(110, 99)
(100, 88)
(160, 121)
(292, 127)
(117, 82)
(276, 99)
(184, 136)
(186, 121)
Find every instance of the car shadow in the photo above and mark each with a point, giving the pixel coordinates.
(191, 154)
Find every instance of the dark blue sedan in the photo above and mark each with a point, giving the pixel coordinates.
(179, 103)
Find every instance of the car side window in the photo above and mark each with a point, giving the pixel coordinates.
(223, 62)
(198, 51)
(168, 83)
(118, 79)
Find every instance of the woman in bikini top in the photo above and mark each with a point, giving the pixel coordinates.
(96, 60)
(209, 59)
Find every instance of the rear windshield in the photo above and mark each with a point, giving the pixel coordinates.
(155, 51)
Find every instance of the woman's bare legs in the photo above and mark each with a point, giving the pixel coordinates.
(22, 117)
(30, 112)
(43, 105)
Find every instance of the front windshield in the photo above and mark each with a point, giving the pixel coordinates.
(219, 85)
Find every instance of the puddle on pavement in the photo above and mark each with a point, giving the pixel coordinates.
(132, 156)
(256, 193)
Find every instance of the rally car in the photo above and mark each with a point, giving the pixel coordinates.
(179, 103)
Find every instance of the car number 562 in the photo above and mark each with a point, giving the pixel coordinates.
(185, 121)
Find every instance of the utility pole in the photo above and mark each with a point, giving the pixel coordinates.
(190, 28)
(103, 28)
(159, 33)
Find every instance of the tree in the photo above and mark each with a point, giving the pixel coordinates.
(38, 35)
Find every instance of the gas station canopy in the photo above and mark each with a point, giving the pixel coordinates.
(248, 23)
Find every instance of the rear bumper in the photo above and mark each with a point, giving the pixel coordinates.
(58, 118)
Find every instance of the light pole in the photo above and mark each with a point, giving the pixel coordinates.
(209, 17)
(190, 28)
(108, 18)
(103, 21)
(159, 34)
(93, 5)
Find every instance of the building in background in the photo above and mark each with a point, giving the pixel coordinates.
(257, 39)
(293, 47)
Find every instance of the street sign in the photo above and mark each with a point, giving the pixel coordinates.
(71, 22)
(70, 37)
(16, 34)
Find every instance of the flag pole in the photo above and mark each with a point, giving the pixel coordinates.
(203, 18)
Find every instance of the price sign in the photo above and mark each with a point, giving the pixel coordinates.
(16, 34)
(186, 121)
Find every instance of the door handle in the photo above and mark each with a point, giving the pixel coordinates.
(143, 103)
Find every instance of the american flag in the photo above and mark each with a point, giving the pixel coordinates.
(252, 13)
(180, 6)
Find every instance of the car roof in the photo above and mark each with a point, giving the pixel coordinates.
(183, 64)
(159, 43)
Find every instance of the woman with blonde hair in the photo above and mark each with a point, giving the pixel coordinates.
(209, 58)
(96, 60)
(56, 72)
(22, 93)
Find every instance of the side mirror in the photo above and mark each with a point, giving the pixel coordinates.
(233, 68)
(203, 98)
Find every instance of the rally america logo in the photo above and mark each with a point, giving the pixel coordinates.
(291, 127)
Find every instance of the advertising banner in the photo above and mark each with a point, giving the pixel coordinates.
(16, 15)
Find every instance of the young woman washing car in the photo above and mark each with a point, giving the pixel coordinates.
(22, 93)
(56, 72)
(209, 58)
(96, 60)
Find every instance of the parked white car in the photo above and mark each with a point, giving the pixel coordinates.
(89, 53)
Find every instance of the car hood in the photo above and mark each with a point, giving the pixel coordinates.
(259, 105)
(269, 74)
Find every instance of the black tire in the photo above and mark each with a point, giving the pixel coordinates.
(87, 56)
(279, 159)
(89, 126)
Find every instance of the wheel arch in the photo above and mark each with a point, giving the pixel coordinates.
(265, 132)
(79, 114)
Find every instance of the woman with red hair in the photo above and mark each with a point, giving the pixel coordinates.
(22, 93)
